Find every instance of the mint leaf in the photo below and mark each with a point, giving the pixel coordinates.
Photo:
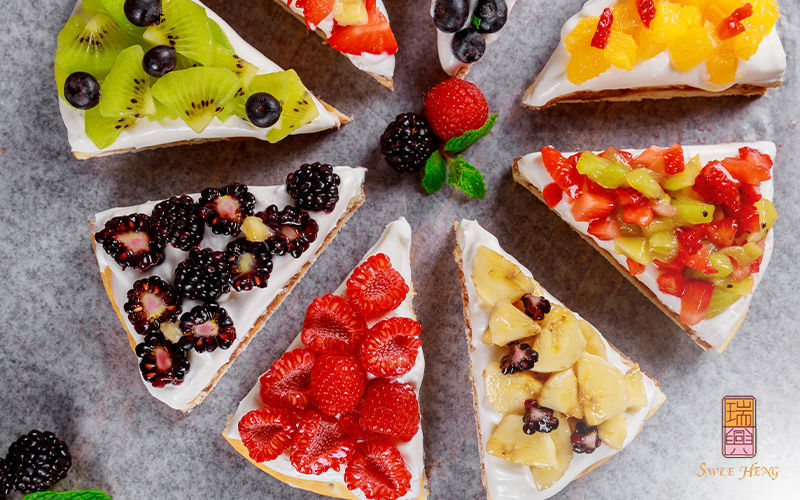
(470, 137)
(476, 22)
(467, 178)
(435, 173)
(68, 495)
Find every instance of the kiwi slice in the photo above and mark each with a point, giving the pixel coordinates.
(161, 113)
(198, 94)
(225, 58)
(104, 131)
(126, 89)
(92, 7)
(220, 38)
(90, 46)
(116, 9)
(184, 25)
(61, 77)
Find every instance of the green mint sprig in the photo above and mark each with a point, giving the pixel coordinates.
(68, 495)
(470, 137)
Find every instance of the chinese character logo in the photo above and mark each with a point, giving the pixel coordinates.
(738, 427)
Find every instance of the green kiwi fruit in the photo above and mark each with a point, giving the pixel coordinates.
(198, 94)
(220, 38)
(225, 58)
(184, 26)
(126, 89)
(61, 77)
(104, 131)
(90, 46)
(161, 113)
(116, 9)
(92, 7)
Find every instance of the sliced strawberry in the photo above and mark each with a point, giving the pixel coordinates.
(375, 37)
(647, 157)
(390, 347)
(337, 382)
(379, 471)
(562, 171)
(320, 444)
(720, 232)
(629, 196)
(605, 230)
(390, 408)
(748, 220)
(693, 252)
(573, 160)
(750, 194)
(663, 209)
(740, 273)
(634, 267)
(674, 265)
(266, 432)
(716, 185)
(315, 11)
(287, 383)
(759, 166)
(746, 172)
(673, 159)
(375, 287)
(672, 283)
(695, 300)
(552, 194)
(589, 206)
(641, 216)
(332, 326)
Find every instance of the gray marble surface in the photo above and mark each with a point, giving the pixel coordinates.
(66, 366)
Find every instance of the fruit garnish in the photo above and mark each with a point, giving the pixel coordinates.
(509, 442)
(81, 90)
(450, 16)
(589, 206)
(552, 195)
(287, 383)
(375, 287)
(204, 275)
(315, 11)
(159, 60)
(131, 243)
(408, 142)
(184, 26)
(604, 230)
(390, 348)
(672, 283)
(520, 357)
(332, 326)
(634, 268)
(320, 444)
(490, 16)
(91, 46)
(390, 408)
(251, 264)
(584, 439)
(565, 175)
(267, 432)
(507, 393)
(468, 45)
(126, 89)
(142, 12)
(600, 38)
(377, 468)
(162, 361)
(337, 383)
(177, 221)
(374, 37)
(224, 209)
(454, 107)
(151, 302)
(35, 462)
(104, 131)
(535, 306)
(350, 12)
(207, 327)
(695, 300)
(293, 230)
(646, 10)
(732, 25)
(314, 187)
(538, 419)
(262, 109)
(351, 426)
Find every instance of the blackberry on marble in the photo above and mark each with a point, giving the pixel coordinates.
(36, 461)
(408, 142)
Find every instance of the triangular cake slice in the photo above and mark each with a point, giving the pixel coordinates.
(662, 49)
(357, 29)
(338, 413)
(193, 278)
(553, 398)
(689, 226)
(183, 76)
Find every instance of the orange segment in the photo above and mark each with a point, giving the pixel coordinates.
(722, 64)
(621, 50)
(693, 47)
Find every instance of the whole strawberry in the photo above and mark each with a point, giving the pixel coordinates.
(454, 107)
(337, 383)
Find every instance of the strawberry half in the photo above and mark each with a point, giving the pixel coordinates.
(390, 347)
(375, 37)
(379, 471)
(315, 11)
(562, 171)
(332, 326)
(320, 444)
(266, 432)
(605, 230)
(337, 382)
(695, 300)
(287, 384)
(390, 408)
(375, 287)
(672, 283)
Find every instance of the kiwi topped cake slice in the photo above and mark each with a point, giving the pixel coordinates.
(184, 26)
(126, 89)
(90, 46)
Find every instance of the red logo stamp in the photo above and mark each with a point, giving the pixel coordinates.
(738, 427)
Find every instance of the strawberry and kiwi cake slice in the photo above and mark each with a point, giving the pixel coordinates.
(338, 413)
(690, 226)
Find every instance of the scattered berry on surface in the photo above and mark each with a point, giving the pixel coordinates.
(178, 222)
(337, 382)
(293, 230)
(408, 142)
(314, 187)
(390, 408)
(36, 461)
(266, 432)
(251, 264)
(332, 326)
(390, 347)
(224, 209)
(152, 301)
(204, 275)
(162, 361)
(131, 242)
(287, 383)
(320, 444)
(454, 107)
(520, 357)
(585, 438)
(377, 468)
(208, 327)
(82, 90)
(538, 418)
(375, 287)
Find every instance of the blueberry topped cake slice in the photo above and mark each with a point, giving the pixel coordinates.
(194, 277)
(138, 74)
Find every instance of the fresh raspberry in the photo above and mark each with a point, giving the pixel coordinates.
(287, 384)
(390, 408)
(267, 432)
(320, 444)
(390, 347)
(332, 326)
(375, 287)
(337, 382)
(455, 106)
(351, 426)
(378, 470)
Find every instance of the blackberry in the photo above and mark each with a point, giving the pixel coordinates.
(207, 327)
(5, 480)
(131, 242)
(225, 208)
(535, 307)
(293, 230)
(314, 187)
(251, 264)
(178, 222)
(205, 275)
(36, 462)
(162, 361)
(152, 301)
(584, 438)
(408, 142)
(520, 357)
(538, 418)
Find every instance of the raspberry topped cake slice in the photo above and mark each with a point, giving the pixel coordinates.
(338, 413)
(629, 50)
(553, 398)
(194, 277)
(690, 226)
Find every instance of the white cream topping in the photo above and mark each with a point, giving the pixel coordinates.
(506, 480)
(717, 329)
(444, 41)
(145, 133)
(244, 308)
(396, 243)
(766, 66)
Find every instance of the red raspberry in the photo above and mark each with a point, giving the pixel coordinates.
(375, 287)
(353, 428)
(455, 106)
(390, 347)
(332, 326)
(267, 432)
(319, 445)
(390, 408)
(337, 382)
(287, 384)
(378, 470)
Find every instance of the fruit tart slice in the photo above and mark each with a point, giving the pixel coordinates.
(689, 226)
(358, 29)
(629, 50)
(139, 74)
(194, 277)
(553, 398)
(338, 413)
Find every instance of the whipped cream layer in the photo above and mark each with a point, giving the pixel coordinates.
(145, 133)
(716, 330)
(396, 243)
(765, 67)
(244, 308)
(444, 41)
(507, 480)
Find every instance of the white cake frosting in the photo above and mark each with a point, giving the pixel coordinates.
(765, 67)
(507, 480)
(145, 133)
(716, 330)
(396, 244)
(244, 308)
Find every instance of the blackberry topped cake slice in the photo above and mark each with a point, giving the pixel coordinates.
(194, 277)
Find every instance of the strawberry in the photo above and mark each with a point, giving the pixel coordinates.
(454, 107)
(600, 38)
(739, 273)
(315, 11)
(674, 265)
(552, 195)
(750, 194)
(573, 160)
(757, 169)
(672, 283)
(634, 267)
(748, 220)
(375, 287)
(695, 300)
(646, 10)
(629, 196)
(589, 206)
(732, 25)
(378, 470)
(720, 232)
(332, 326)
(287, 382)
(337, 382)
(716, 185)
(641, 216)
(605, 230)
(375, 37)
(647, 157)
(563, 172)
(390, 408)
(692, 251)
(673, 159)
(266, 432)
(390, 347)
(319, 445)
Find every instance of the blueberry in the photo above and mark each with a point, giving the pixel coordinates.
(468, 45)
(450, 15)
(142, 12)
(82, 90)
(159, 60)
(263, 110)
(492, 15)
